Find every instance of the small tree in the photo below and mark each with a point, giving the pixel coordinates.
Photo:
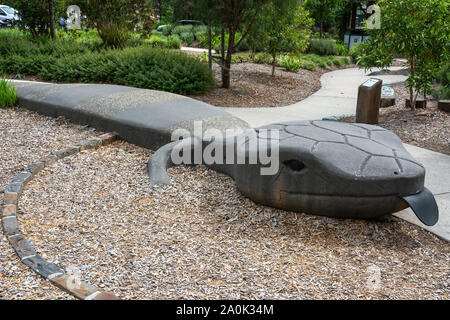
(113, 19)
(283, 26)
(324, 11)
(233, 16)
(416, 30)
(34, 16)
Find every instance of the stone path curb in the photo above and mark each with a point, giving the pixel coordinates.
(27, 254)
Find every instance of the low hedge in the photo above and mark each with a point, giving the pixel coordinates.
(145, 66)
(288, 61)
(323, 47)
(141, 67)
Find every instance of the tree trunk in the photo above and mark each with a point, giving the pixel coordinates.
(226, 74)
(412, 98)
(321, 29)
(226, 79)
(52, 19)
(274, 62)
(222, 52)
(209, 47)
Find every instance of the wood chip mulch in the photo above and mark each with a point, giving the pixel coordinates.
(199, 238)
(426, 128)
(252, 85)
(26, 137)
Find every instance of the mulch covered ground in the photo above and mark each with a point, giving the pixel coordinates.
(199, 238)
(427, 128)
(26, 137)
(252, 85)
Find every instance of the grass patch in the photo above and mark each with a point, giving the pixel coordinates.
(8, 97)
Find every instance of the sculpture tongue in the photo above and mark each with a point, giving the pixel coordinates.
(424, 206)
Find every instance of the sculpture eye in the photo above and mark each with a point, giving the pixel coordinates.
(294, 165)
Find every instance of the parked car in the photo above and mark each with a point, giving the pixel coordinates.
(181, 23)
(5, 22)
(8, 13)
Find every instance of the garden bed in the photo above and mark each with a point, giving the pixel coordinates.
(199, 238)
(27, 137)
(427, 128)
(253, 86)
(66, 60)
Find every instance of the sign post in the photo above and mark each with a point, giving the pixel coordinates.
(369, 101)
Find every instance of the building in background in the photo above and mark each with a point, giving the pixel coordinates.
(355, 24)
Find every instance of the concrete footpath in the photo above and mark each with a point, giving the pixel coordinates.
(338, 97)
(437, 179)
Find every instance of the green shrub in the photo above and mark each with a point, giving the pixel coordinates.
(190, 33)
(289, 63)
(167, 31)
(355, 53)
(344, 60)
(330, 61)
(183, 29)
(317, 60)
(113, 35)
(336, 61)
(199, 31)
(308, 65)
(156, 42)
(216, 42)
(323, 47)
(88, 38)
(141, 67)
(173, 42)
(203, 41)
(261, 57)
(322, 64)
(341, 48)
(26, 65)
(186, 37)
(25, 47)
(241, 57)
(71, 61)
(8, 97)
(443, 83)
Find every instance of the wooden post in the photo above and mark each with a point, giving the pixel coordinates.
(369, 101)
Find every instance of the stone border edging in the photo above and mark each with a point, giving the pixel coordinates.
(27, 254)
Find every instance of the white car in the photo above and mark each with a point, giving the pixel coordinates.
(8, 13)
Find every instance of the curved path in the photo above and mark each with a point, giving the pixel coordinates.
(337, 97)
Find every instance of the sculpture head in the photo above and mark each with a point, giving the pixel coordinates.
(335, 169)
